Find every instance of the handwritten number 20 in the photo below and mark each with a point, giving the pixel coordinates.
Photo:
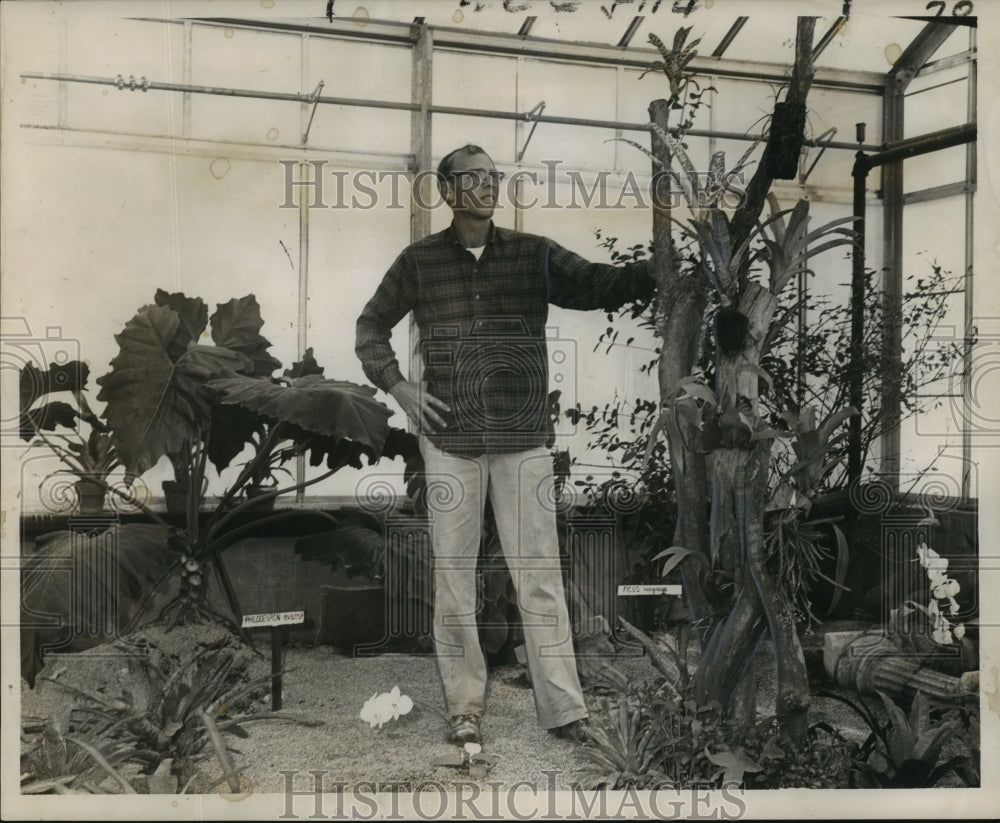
(963, 8)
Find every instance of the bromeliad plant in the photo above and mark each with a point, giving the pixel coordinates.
(174, 713)
(906, 751)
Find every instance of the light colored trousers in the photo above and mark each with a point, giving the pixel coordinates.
(520, 486)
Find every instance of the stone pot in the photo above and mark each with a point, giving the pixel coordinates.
(89, 496)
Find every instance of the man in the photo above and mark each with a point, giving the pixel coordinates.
(479, 296)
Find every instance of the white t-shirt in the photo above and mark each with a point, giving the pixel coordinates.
(477, 251)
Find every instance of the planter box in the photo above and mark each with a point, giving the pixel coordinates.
(353, 617)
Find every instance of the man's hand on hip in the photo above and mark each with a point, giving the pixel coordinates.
(420, 405)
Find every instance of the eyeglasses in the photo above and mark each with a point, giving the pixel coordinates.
(480, 176)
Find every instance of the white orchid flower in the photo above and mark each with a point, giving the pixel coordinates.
(369, 712)
(925, 553)
(401, 704)
(936, 576)
(937, 563)
(946, 589)
(942, 636)
(379, 709)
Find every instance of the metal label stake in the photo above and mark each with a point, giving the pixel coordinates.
(276, 621)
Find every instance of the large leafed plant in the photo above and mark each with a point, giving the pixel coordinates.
(170, 395)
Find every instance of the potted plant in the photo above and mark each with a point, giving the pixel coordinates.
(72, 431)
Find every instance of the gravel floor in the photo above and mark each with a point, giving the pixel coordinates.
(321, 684)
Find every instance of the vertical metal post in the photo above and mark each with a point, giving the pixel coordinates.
(856, 366)
(420, 147)
(277, 641)
(63, 69)
(518, 131)
(971, 172)
(303, 308)
(186, 75)
(892, 284)
(420, 130)
(620, 71)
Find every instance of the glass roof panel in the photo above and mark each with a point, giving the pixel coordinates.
(867, 42)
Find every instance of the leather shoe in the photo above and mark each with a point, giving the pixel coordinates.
(576, 731)
(465, 729)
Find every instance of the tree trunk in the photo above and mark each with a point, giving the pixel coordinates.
(733, 540)
(680, 311)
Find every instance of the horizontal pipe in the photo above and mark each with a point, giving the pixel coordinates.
(938, 192)
(947, 63)
(923, 144)
(462, 111)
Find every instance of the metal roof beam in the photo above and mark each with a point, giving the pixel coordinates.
(552, 49)
(827, 38)
(730, 35)
(633, 27)
(930, 38)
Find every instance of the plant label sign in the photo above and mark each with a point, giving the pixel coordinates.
(673, 589)
(260, 621)
(275, 621)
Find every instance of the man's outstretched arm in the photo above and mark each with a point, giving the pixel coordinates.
(575, 283)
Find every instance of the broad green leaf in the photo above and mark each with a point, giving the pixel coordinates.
(332, 408)
(236, 325)
(756, 369)
(692, 387)
(156, 406)
(34, 384)
(720, 233)
(638, 146)
(900, 739)
(232, 427)
(843, 563)
(119, 571)
(735, 765)
(193, 314)
(920, 715)
(675, 437)
(677, 555)
(306, 366)
(46, 418)
(929, 746)
(833, 420)
(770, 434)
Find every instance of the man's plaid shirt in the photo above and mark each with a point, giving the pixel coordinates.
(482, 329)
